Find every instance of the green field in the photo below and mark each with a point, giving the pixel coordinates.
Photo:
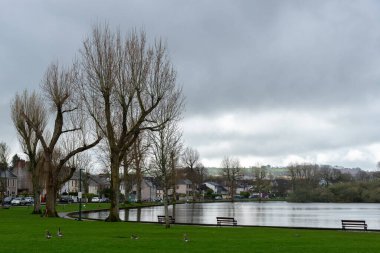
(23, 232)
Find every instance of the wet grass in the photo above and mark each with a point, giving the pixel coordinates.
(22, 232)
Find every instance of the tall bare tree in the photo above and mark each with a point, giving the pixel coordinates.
(261, 183)
(190, 159)
(128, 87)
(4, 155)
(166, 147)
(70, 131)
(139, 152)
(127, 174)
(232, 172)
(31, 106)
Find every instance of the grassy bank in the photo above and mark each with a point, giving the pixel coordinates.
(22, 232)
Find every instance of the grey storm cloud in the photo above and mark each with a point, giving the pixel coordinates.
(311, 59)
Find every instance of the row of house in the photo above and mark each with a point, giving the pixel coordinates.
(18, 181)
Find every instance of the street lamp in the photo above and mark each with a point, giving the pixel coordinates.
(80, 195)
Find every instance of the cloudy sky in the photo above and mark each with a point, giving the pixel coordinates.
(268, 82)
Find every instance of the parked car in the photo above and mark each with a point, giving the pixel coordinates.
(19, 201)
(104, 200)
(7, 200)
(29, 201)
(66, 199)
(157, 199)
(95, 200)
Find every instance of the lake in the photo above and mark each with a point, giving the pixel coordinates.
(279, 214)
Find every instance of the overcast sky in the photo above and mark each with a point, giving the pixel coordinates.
(268, 82)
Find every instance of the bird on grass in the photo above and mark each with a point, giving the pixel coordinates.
(186, 238)
(59, 233)
(134, 237)
(48, 235)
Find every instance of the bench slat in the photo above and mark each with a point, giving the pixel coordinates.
(226, 220)
(354, 224)
(161, 219)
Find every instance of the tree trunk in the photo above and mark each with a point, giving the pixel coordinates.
(2, 190)
(137, 157)
(51, 186)
(126, 183)
(51, 194)
(138, 214)
(174, 183)
(193, 189)
(36, 191)
(114, 209)
(138, 182)
(232, 191)
(166, 206)
(37, 203)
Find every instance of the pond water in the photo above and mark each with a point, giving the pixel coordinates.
(279, 214)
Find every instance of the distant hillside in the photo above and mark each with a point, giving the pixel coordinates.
(278, 171)
(275, 171)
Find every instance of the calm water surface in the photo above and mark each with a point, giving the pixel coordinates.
(321, 215)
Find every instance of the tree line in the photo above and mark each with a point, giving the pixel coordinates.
(323, 183)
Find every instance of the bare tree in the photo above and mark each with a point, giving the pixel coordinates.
(4, 155)
(304, 175)
(70, 131)
(139, 152)
(231, 172)
(166, 146)
(292, 172)
(127, 177)
(201, 173)
(261, 184)
(30, 106)
(190, 159)
(128, 87)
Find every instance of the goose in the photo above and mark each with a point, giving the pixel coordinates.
(59, 233)
(186, 238)
(48, 235)
(134, 237)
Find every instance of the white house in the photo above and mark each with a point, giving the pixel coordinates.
(183, 186)
(148, 189)
(216, 188)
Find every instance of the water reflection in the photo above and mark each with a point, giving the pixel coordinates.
(323, 215)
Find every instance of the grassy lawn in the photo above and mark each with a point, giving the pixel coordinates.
(22, 232)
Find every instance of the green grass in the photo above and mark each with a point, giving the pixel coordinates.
(23, 232)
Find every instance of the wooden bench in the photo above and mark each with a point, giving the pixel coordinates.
(226, 221)
(161, 219)
(354, 224)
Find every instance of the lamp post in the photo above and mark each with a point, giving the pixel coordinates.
(80, 195)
